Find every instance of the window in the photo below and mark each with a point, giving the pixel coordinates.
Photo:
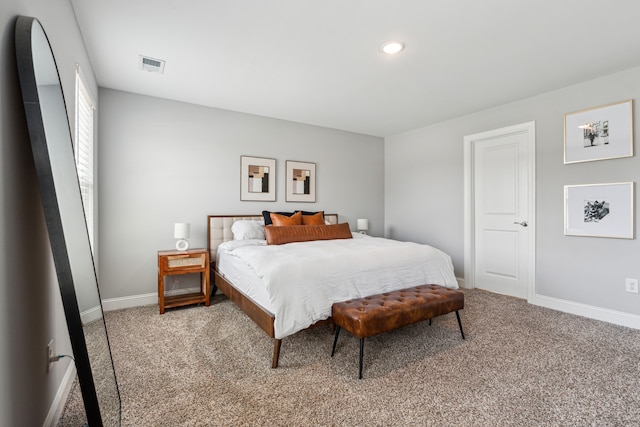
(83, 149)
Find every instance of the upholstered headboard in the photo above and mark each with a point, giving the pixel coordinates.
(219, 228)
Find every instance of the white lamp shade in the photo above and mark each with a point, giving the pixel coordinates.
(363, 224)
(181, 230)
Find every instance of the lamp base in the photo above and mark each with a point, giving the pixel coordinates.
(182, 245)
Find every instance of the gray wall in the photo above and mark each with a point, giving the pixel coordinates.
(30, 306)
(163, 162)
(424, 192)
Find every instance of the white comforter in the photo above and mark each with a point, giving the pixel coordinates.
(304, 279)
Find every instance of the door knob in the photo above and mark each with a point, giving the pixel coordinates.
(523, 223)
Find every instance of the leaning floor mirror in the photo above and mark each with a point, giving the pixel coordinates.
(52, 148)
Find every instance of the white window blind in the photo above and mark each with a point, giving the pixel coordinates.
(83, 150)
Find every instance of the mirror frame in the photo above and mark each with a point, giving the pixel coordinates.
(53, 216)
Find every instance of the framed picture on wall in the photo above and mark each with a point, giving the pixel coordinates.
(301, 181)
(599, 210)
(257, 179)
(599, 133)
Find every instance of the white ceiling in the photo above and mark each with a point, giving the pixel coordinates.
(318, 61)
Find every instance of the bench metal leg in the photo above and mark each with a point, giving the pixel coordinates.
(335, 340)
(460, 324)
(361, 354)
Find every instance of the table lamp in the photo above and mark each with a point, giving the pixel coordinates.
(181, 231)
(363, 225)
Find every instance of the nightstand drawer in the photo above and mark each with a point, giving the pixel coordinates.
(171, 261)
(186, 261)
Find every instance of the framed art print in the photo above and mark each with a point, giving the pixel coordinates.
(257, 179)
(599, 133)
(599, 210)
(301, 182)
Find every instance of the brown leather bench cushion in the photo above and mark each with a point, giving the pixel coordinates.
(368, 316)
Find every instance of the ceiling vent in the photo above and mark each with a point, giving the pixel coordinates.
(151, 65)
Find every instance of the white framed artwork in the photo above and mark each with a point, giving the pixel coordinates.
(599, 210)
(599, 133)
(301, 181)
(257, 179)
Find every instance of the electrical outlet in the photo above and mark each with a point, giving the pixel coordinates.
(50, 354)
(632, 285)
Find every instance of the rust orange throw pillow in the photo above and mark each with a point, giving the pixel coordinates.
(315, 219)
(290, 234)
(282, 220)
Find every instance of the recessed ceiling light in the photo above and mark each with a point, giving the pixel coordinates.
(391, 48)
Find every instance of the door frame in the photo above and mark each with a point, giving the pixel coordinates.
(469, 196)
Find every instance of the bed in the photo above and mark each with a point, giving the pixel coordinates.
(285, 288)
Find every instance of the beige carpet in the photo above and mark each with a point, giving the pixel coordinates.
(520, 365)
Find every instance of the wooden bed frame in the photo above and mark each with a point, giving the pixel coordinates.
(219, 231)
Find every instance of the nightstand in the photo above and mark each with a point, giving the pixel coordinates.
(183, 262)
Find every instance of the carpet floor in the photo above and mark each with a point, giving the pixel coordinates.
(520, 365)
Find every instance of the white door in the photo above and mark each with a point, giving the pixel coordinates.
(502, 212)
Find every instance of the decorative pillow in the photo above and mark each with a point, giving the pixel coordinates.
(315, 219)
(247, 230)
(267, 216)
(290, 234)
(283, 220)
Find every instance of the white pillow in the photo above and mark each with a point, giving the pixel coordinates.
(247, 230)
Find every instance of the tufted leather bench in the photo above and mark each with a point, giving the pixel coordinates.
(372, 315)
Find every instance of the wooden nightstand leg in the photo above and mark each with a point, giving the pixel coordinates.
(161, 292)
(207, 288)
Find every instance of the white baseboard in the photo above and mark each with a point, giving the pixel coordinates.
(90, 315)
(612, 316)
(461, 282)
(131, 301)
(57, 406)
